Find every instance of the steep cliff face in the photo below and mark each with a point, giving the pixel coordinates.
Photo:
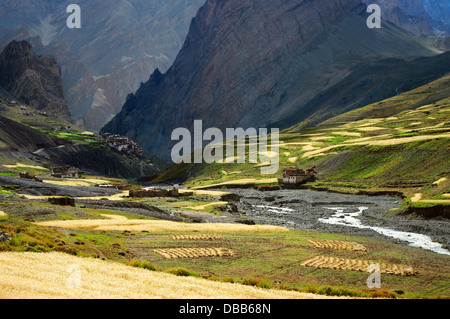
(254, 63)
(439, 10)
(34, 79)
(119, 45)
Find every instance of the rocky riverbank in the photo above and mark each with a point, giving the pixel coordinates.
(304, 209)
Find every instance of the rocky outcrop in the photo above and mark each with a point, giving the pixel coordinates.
(33, 79)
(5, 237)
(440, 13)
(119, 45)
(99, 160)
(258, 64)
(29, 187)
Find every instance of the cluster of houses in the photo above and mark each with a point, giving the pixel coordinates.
(28, 113)
(121, 144)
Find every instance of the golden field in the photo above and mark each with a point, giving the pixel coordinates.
(121, 223)
(57, 275)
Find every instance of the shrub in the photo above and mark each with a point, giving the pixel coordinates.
(256, 282)
(250, 281)
(180, 271)
(142, 264)
(227, 279)
(382, 294)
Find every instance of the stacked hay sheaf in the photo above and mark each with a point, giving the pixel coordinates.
(171, 253)
(321, 262)
(324, 262)
(338, 245)
(197, 237)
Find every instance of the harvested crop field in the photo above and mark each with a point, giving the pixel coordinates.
(62, 276)
(170, 253)
(356, 265)
(197, 237)
(121, 223)
(338, 245)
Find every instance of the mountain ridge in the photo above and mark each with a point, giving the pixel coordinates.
(119, 45)
(244, 65)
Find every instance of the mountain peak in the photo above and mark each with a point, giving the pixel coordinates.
(34, 79)
(18, 49)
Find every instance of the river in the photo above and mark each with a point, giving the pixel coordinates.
(358, 215)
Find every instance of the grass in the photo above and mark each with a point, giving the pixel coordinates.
(142, 264)
(274, 259)
(397, 144)
(269, 260)
(181, 272)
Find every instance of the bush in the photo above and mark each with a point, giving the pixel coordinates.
(180, 271)
(256, 282)
(383, 294)
(142, 264)
(228, 279)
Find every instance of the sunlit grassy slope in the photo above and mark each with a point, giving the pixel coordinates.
(400, 143)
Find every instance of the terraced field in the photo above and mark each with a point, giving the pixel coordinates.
(400, 144)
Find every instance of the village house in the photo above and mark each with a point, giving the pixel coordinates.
(64, 172)
(11, 102)
(295, 175)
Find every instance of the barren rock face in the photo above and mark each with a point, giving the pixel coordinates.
(36, 80)
(257, 63)
(119, 45)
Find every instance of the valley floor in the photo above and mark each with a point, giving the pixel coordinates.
(263, 245)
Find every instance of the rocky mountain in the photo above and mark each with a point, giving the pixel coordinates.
(119, 45)
(34, 79)
(420, 17)
(439, 10)
(260, 63)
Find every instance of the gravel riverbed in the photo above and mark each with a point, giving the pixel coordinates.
(361, 215)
